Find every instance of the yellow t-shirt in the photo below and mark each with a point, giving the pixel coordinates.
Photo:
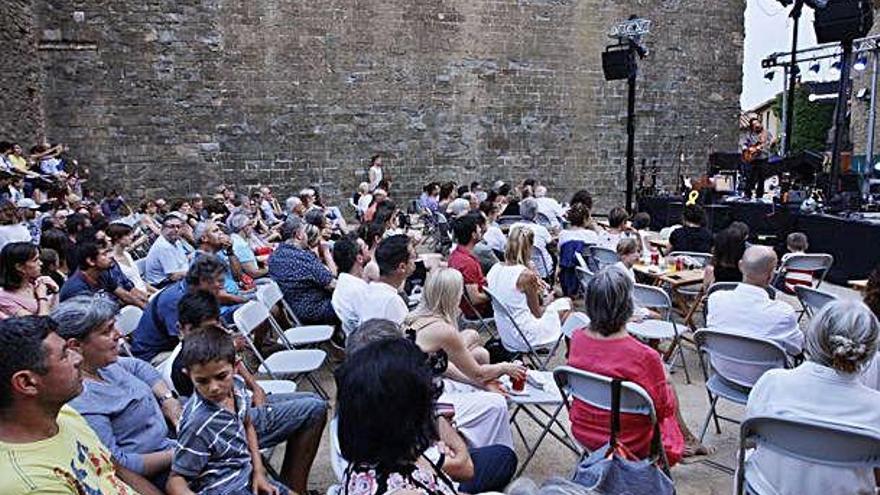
(73, 462)
(19, 163)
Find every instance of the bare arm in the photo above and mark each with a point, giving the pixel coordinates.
(448, 338)
(259, 482)
(458, 465)
(529, 283)
(129, 298)
(171, 408)
(135, 481)
(177, 485)
(253, 270)
(476, 295)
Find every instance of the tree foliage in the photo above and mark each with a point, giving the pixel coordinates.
(812, 120)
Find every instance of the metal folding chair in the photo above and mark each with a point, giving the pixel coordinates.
(126, 322)
(830, 445)
(812, 300)
(819, 264)
(481, 322)
(581, 261)
(595, 390)
(584, 275)
(270, 295)
(574, 321)
(531, 352)
(731, 365)
(664, 329)
(602, 257)
(295, 363)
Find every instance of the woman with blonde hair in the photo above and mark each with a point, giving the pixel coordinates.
(517, 285)
(470, 383)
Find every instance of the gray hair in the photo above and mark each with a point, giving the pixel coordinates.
(609, 302)
(201, 229)
(291, 226)
(237, 221)
(371, 331)
(291, 203)
(80, 315)
(528, 208)
(843, 336)
(553, 486)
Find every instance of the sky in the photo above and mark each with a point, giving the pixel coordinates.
(768, 30)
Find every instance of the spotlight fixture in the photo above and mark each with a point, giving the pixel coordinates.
(835, 67)
(768, 76)
(815, 68)
(861, 63)
(863, 94)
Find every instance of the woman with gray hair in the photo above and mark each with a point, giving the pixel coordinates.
(607, 349)
(241, 228)
(123, 399)
(840, 341)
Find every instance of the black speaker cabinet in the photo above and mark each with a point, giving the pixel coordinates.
(618, 63)
(842, 20)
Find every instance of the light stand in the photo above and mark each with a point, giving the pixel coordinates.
(792, 79)
(840, 116)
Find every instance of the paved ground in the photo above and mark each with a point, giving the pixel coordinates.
(553, 459)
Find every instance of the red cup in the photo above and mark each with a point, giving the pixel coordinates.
(518, 384)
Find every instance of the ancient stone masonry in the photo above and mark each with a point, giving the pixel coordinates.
(180, 95)
(21, 111)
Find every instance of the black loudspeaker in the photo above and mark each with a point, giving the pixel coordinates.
(842, 20)
(618, 63)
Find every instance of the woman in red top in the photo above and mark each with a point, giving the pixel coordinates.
(607, 349)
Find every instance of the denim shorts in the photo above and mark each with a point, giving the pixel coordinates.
(286, 414)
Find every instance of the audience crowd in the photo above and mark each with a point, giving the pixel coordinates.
(175, 400)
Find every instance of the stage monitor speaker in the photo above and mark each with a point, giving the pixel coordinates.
(618, 62)
(842, 20)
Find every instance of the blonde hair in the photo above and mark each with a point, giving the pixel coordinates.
(441, 296)
(520, 242)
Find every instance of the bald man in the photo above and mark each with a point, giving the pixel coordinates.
(748, 309)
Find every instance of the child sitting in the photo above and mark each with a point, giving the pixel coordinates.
(218, 451)
(797, 243)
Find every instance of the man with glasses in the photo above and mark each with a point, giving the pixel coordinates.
(167, 261)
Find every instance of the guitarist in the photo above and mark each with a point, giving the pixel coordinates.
(755, 146)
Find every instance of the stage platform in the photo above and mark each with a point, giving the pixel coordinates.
(854, 242)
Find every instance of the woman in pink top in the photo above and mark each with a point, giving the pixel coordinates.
(24, 290)
(607, 349)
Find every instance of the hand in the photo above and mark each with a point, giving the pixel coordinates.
(516, 370)
(496, 386)
(47, 283)
(260, 484)
(445, 450)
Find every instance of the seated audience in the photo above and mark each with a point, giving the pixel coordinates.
(796, 243)
(520, 289)
(11, 228)
(123, 399)
(52, 266)
(121, 236)
(307, 284)
(94, 274)
(540, 256)
(493, 237)
(727, 249)
(396, 258)
(45, 445)
(575, 239)
(350, 254)
(606, 348)
(429, 199)
(765, 318)
(25, 290)
(467, 234)
(840, 342)
(157, 331)
(617, 228)
(693, 236)
(629, 250)
(167, 261)
(211, 240)
(549, 207)
(384, 460)
(241, 228)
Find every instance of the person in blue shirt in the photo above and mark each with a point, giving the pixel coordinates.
(97, 272)
(157, 332)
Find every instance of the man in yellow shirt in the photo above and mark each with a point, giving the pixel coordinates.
(45, 446)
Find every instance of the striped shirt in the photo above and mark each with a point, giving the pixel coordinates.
(213, 453)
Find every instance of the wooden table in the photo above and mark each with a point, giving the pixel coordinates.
(672, 278)
(859, 285)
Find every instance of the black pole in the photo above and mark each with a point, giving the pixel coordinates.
(840, 117)
(630, 139)
(792, 77)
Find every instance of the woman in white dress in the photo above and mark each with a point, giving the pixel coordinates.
(516, 284)
(121, 235)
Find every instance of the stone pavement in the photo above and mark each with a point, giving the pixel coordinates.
(552, 459)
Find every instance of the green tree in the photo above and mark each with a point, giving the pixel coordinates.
(812, 120)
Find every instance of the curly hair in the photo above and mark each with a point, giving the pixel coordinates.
(872, 292)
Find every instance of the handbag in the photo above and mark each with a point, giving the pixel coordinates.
(613, 469)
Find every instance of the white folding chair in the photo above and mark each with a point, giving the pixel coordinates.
(826, 444)
(584, 276)
(602, 257)
(647, 296)
(812, 299)
(531, 352)
(298, 363)
(481, 322)
(817, 263)
(277, 386)
(595, 390)
(541, 393)
(574, 321)
(126, 322)
(581, 261)
(731, 365)
(269, 295)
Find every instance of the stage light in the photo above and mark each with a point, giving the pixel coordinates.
(835, 68)
(815, 68)
(863, 94)
(861, 63)
(768, 76)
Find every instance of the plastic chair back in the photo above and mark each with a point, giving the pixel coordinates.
(648, 296)
(702, 259)
(595, 390)
(817, 263)
(501, 309)
(603, 257)
(574, 321)
(269, 294)
(580, 260)
(814, 299)
(826, 444)
(249, 316)
(737, 358)
(584, 276)
(127, 319)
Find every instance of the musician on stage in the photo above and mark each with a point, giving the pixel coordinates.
(755, 146)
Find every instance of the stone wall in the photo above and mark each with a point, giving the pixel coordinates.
(859, 108)
(21, 111)
(180, 95)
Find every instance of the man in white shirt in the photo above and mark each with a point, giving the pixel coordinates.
(396, 259)
(528, 209)
(167, 260)
(350, 255)
(548, 207)
(748, 309)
